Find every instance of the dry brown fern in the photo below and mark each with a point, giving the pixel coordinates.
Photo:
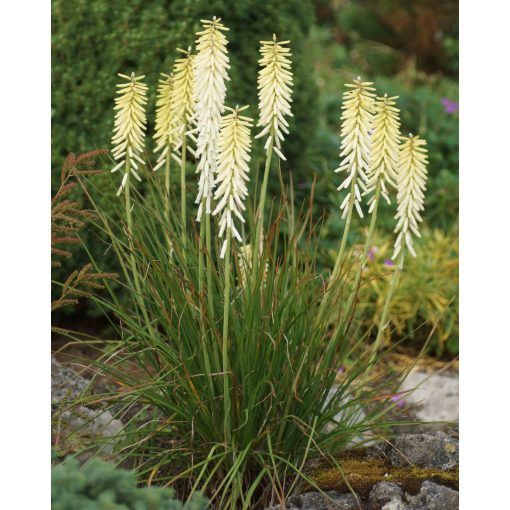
(67, 219)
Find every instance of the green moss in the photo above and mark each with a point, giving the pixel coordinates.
(360, 473)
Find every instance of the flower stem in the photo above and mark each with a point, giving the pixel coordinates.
(201, 251)
(167, 197)
(262, 202)
(339, 259)
(134, 270)
(225, 360)
(183, 192)
(209, 263)
(364, 256)
(383, 322)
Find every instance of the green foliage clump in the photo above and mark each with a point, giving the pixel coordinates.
(98, 485)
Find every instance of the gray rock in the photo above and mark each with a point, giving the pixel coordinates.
(316, 501)
(66, 384)
(346, 501)
(349, 415)
(433, 496)
(71, 423)
(437, 450)
(93, 421)
(395, 504)
(386, 495)
(436, 396)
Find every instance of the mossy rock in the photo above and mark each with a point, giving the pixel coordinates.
(359, 471)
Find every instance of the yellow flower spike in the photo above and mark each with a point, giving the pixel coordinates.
(275, 91)
(385, 146)
(183, 98)
(358, 109)
(210, 69)
(411, 183)
(234, 147)
(164, 134)
(129, 127)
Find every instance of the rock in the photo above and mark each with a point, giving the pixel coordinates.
(66, 384)
(435, 395)
(437, 450)
(311, 501)
(433, 496)
(346, 501)
(73, 426)
(395, 504)
(350, 415)
(386, 495)
(316, 501)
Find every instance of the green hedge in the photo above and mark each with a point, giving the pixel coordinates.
(93, 40)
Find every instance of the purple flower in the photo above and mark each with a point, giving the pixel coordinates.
(388, 262)
(449, 106)
(398, 399)
(371, 253)
(341, 370)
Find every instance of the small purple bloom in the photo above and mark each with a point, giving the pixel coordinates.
(371, 253)
(341, 370)
(398, 399)
(449, 106)
(388, 262)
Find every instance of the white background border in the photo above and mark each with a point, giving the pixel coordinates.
(25, 255)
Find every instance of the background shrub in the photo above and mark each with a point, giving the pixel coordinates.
(93, 40)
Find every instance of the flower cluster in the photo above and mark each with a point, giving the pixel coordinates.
(164, 134)
(358, 109)
(411, 183)
(210, 69)
(385, 145)
(275, 90)
(129, 127)
(183, 98)
(233, 157)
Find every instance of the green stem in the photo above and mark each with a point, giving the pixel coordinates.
(225, 360)
(260, 213)
(208, 238)
(364, 256)
(201, 251)
(339, 259)
(134, 268)
(167, 198)
(383, 322)
(183, 191)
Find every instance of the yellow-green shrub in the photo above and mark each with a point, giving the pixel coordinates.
(427, 293)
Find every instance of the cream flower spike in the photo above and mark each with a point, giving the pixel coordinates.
(358, 108)
(411, 182)
(233, 157)
(183, 99)
(385, 146)
(164, 134)
(275, 91)
(129, 126)
(211, 66)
